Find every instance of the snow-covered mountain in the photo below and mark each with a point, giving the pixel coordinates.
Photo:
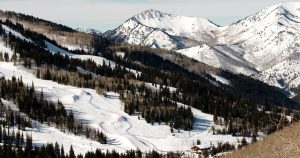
(161, 30)
(270, 41)
(266, 38)
(265, 45)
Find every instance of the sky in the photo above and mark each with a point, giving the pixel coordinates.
(105, 15)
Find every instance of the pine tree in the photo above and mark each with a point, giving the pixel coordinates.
(62, 152)
(57, 150)
(254, 139)
(139, 154)
(244, 142)
(71, 153)
(0, 132)
(215, 116)
(28, 148)
(18, 137)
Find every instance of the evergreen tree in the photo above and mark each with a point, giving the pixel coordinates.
(71, 153)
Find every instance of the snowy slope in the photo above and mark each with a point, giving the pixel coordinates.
(285, 75)
(220, 57)
(270, 40)
(17, 34)
(98, 60)
(124, 131)
(267, 37)
(43, 134)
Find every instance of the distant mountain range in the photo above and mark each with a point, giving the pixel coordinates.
(265, 45)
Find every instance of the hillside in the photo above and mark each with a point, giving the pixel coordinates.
(283, 143)
(67, 37)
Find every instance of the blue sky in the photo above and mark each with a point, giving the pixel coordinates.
(108, 14)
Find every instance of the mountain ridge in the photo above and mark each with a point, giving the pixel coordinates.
(142, 24)
(251, 46)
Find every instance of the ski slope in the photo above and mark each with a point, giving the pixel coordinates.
(43, 134)
(97, 59)
(124, 132)
(15, 33)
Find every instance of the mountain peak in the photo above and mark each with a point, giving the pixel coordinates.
(151, 14)
(279, 13)
(173, 32)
